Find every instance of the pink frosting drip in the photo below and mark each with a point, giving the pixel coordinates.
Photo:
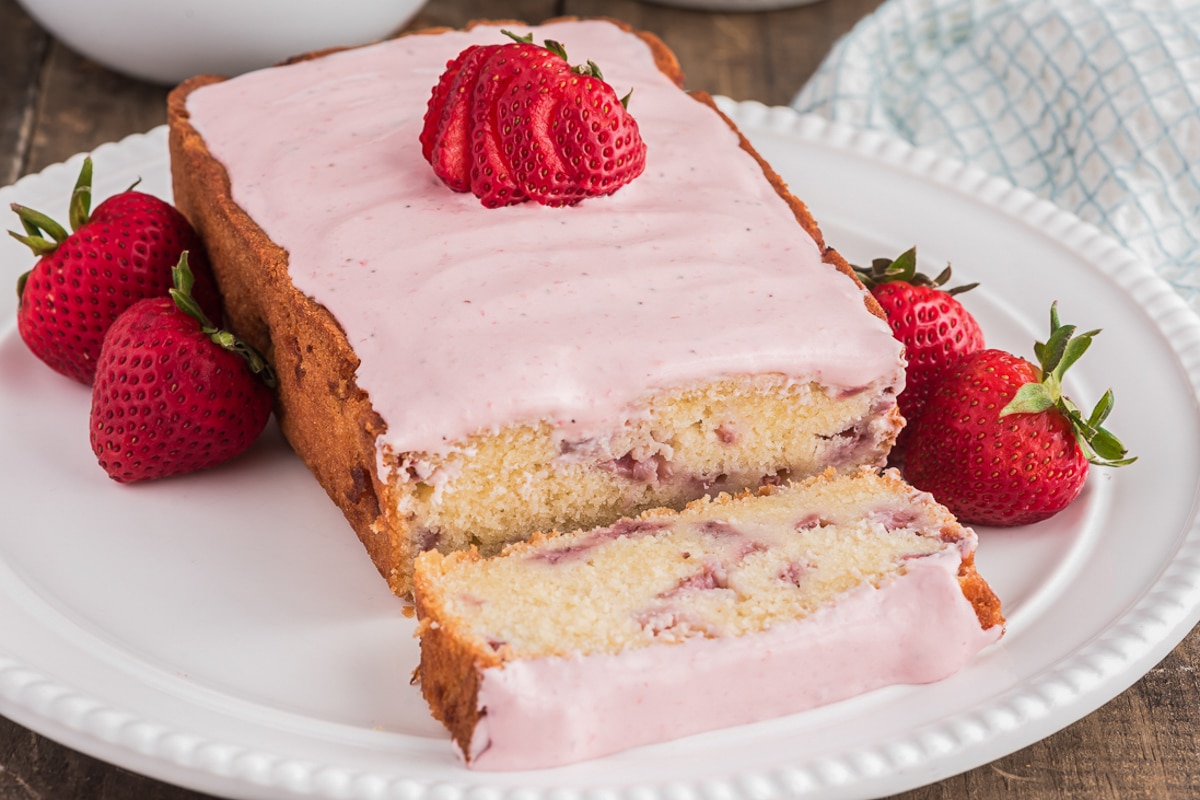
(551, 711)
(466, 319)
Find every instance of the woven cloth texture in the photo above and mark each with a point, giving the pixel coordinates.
(1093, 105)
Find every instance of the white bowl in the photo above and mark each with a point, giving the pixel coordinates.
(165, 41)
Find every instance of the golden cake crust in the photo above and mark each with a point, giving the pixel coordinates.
(323, 413)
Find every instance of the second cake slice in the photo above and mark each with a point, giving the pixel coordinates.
(735, 610)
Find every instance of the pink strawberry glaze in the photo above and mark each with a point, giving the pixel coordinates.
(465, 318)
(551, 711)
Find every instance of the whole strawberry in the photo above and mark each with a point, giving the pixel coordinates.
(515, 122)
(114, 256)
(999, 444)
(174, 394)
(933, 325)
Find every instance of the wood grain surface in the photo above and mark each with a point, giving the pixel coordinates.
(1145, 744)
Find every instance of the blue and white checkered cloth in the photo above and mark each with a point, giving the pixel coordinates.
(1091, 104)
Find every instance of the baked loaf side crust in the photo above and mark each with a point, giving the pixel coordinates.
(325, 416)
(455, 658)
(328, 419)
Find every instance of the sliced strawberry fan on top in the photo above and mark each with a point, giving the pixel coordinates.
(516, 122)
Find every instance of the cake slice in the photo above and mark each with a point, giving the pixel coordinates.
(457, 376)
(734, 610)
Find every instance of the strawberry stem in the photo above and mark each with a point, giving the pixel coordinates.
(181, 293)
(1055, 356)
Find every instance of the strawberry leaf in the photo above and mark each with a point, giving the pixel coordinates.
(42, 234)
(590, 68)
(903, 268)
(1108, 450)
(38, 226)
(905, 265)
(556, 48)
(1032, 398)
(81, 197)
(1054, 348)
(1072, 351)
(181, 293)
(38, 244)
(30, 228)
(1102, 410)
(1061, 350)
(551, 45)
(258, 365)
(526, 39)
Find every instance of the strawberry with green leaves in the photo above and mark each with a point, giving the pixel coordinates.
(114, 256)
(515, 122)
(998, 442)
(935, 328)
(174, 393)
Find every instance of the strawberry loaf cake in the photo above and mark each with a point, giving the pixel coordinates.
(457, 376)
(732, 611)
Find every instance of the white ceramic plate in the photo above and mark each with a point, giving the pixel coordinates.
(225, 631)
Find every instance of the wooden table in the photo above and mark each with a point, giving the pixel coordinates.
(53, 103)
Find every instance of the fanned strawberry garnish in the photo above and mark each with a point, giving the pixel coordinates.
(515, 122)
